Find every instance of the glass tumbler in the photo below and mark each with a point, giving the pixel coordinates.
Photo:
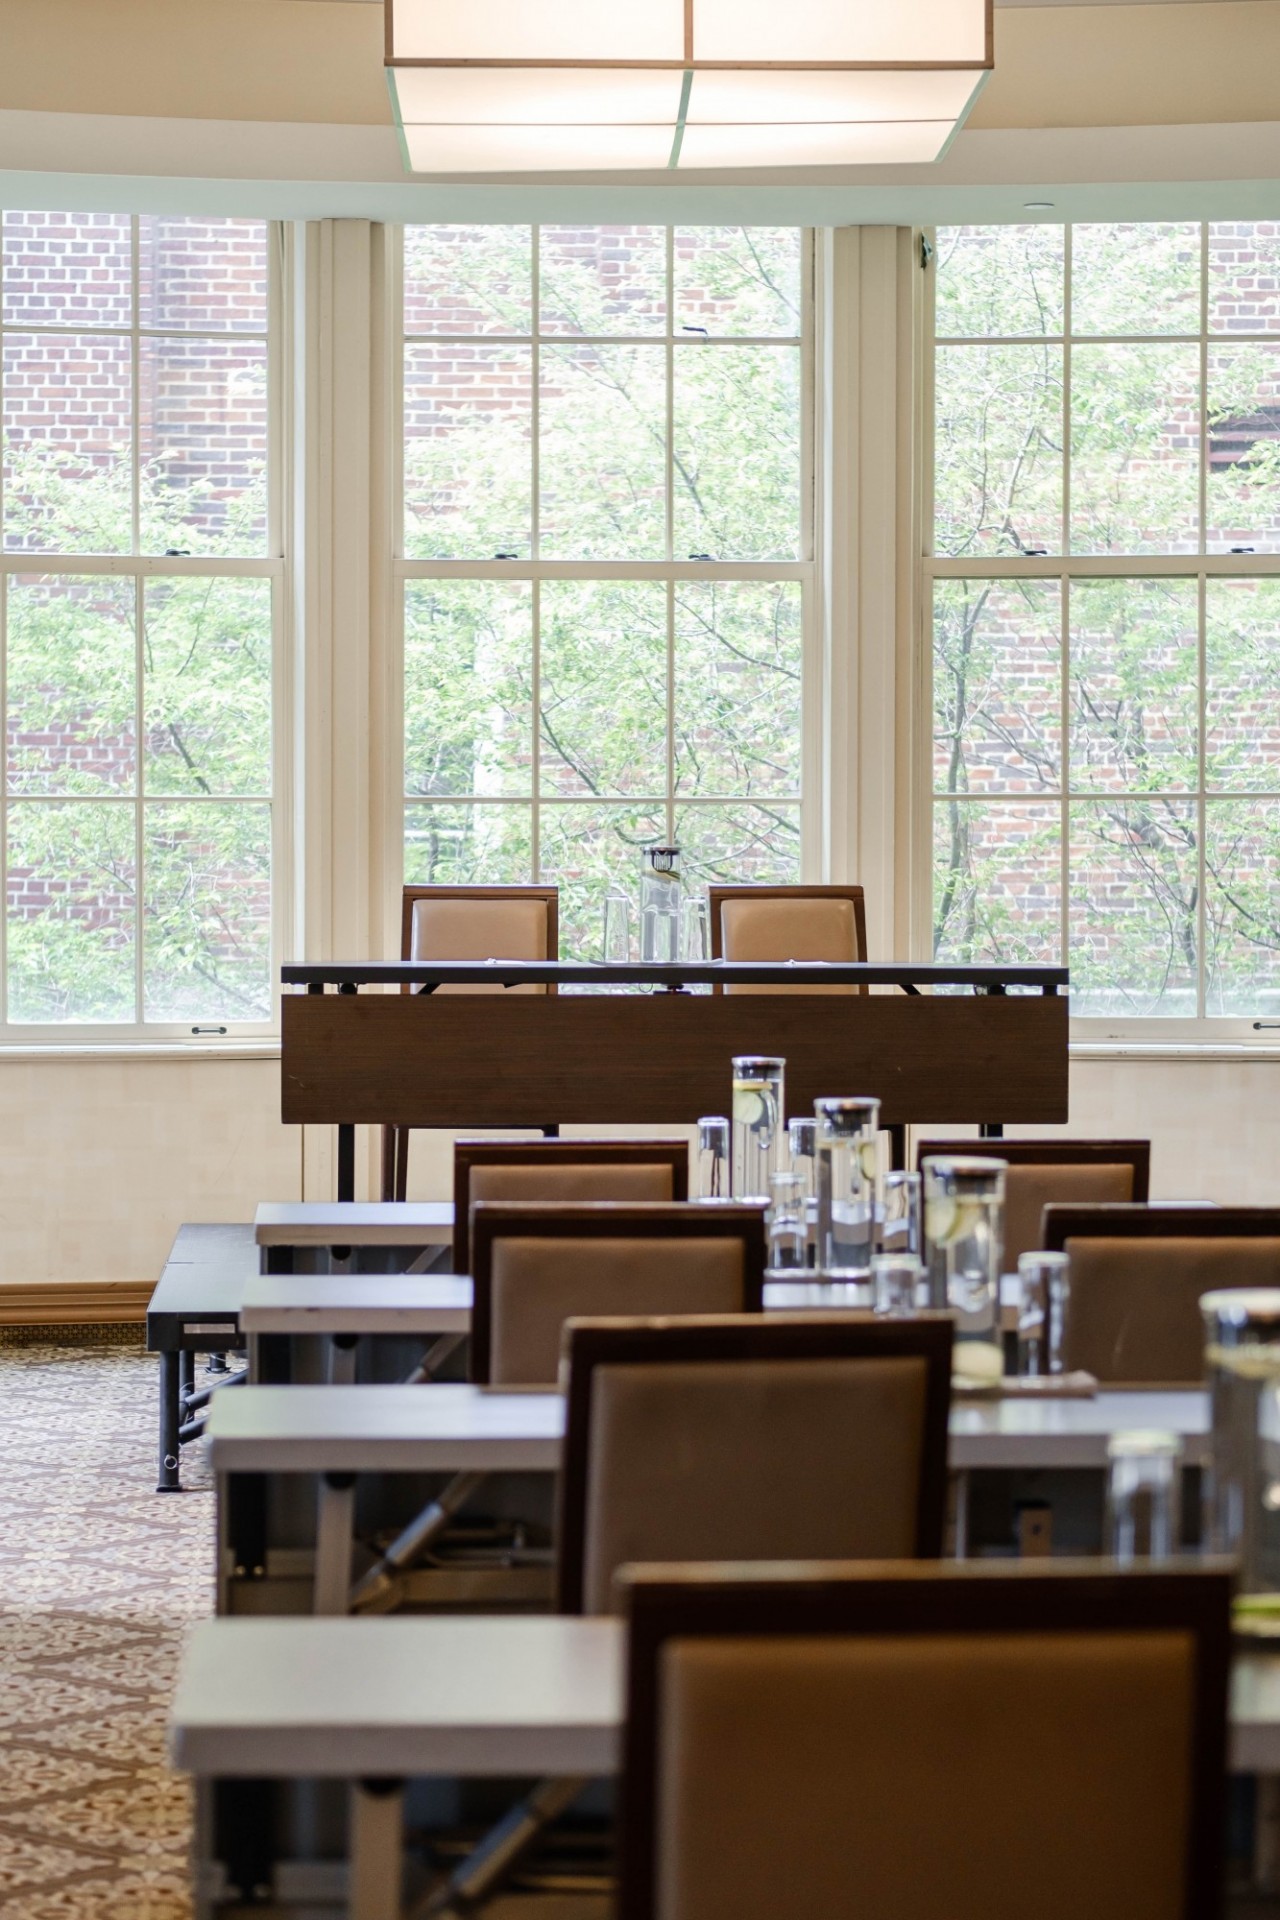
(695, 930)
(786, 1224)
(900, 1214)
(618, 935)
(802, 1146)
(1242, 1483)
(964, 1240)
(1143, 1495)
(848, 1187)
(895, 1283)
(1044, 1291)
(713, 1157)
(758, 1137)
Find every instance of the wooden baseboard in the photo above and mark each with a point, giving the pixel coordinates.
(60, 1303)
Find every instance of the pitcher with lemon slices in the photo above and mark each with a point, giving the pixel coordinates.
(964, 1243)
(759, 1137)
(848, 1190)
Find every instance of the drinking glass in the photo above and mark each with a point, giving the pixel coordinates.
(713, 1157)
(758, 1138)
(848, 1188)
(1242, 1481)
(695, 930)
(618, 926)
(900, 1231)
(1044, 1289)
(895, 1283)
(1143, 1495)
(802, 1145)
(964, 1240)
(786, 1224)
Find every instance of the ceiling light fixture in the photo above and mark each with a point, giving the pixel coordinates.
(499, 86)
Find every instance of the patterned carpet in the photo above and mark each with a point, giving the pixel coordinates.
(98, 1575)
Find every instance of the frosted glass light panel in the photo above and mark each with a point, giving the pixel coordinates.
(503, 86)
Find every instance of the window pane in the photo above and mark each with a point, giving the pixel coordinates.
(468, 687)
(603, 279)
(202, 275)
(467, 452)
(450, 846)
(1128, 278)
(728, 844)
(68, 421)
(71, 930)
(1243, 506)
(996, 281)
(1134, 670)
(998, 450)
(603, 437)
(1134, 886)
(1242, 907)
(71, 654)
(588, 852)
(207, 947)
(738, 687)
(468, 279)
(207, 686)
(603, 687)
(997, 677)
(1135, 449)
(203, 446)
(737, 453)
(67, 270)
(1244, 276)
(997, 882)
(1242, 692)
(738, 280)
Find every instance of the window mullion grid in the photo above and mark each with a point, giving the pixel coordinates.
(4, 685)
(135, 495)
(669, 811)
(535, 550)
(1065, 610)
(1201, 813)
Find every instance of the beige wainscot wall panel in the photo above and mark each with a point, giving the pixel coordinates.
(104, 1158)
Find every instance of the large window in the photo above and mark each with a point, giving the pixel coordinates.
(607, 540)
(1106, 606)
(136, 588)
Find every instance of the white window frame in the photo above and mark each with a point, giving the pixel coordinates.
(670, 571)
(142, 1034)
(1111, 1033)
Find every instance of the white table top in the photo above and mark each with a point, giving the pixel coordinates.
(452, 1428)
(354, 1223)
(486, 1694)
(387, 1303)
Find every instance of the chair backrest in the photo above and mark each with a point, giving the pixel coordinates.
(788, 923)
(481, 923)
(562, 1170)
(1045, 1171)
(772, 1437)
(806, 1729)
(537, 1264)
(1137, 1274)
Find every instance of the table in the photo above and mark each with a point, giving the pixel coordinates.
(389, 1700)
(195, 1308)
(411, 1059)
(293, 1236)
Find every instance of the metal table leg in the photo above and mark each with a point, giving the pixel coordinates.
(335, 1520)
(346, 1163)
(342, 1359)
(170, 1422)
(375, 1849)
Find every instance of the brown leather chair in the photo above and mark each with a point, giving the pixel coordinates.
(787, 923)
(795, 1737)
(1137, 1274)
(469, 923)
(562, 1170)
(1044, 1171)
(537, 1264)
(770, 1438)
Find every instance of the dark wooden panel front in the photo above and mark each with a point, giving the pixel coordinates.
(650, 1059)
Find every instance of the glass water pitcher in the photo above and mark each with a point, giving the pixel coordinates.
(848, 1187)
(964, 1238)
(660, 905)
(1242, 1484)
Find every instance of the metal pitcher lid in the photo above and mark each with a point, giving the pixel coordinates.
(1242, 1306)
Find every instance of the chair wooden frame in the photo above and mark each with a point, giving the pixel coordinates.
(683, 1602)
(493, 1220)
(716, 897)
(1115, 1220)
(395, 1140)
(1053, 1153)
(590, 1344)
(468, 1154)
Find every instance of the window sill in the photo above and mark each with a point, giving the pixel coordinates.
(117, 1050)
(1206, 1050)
